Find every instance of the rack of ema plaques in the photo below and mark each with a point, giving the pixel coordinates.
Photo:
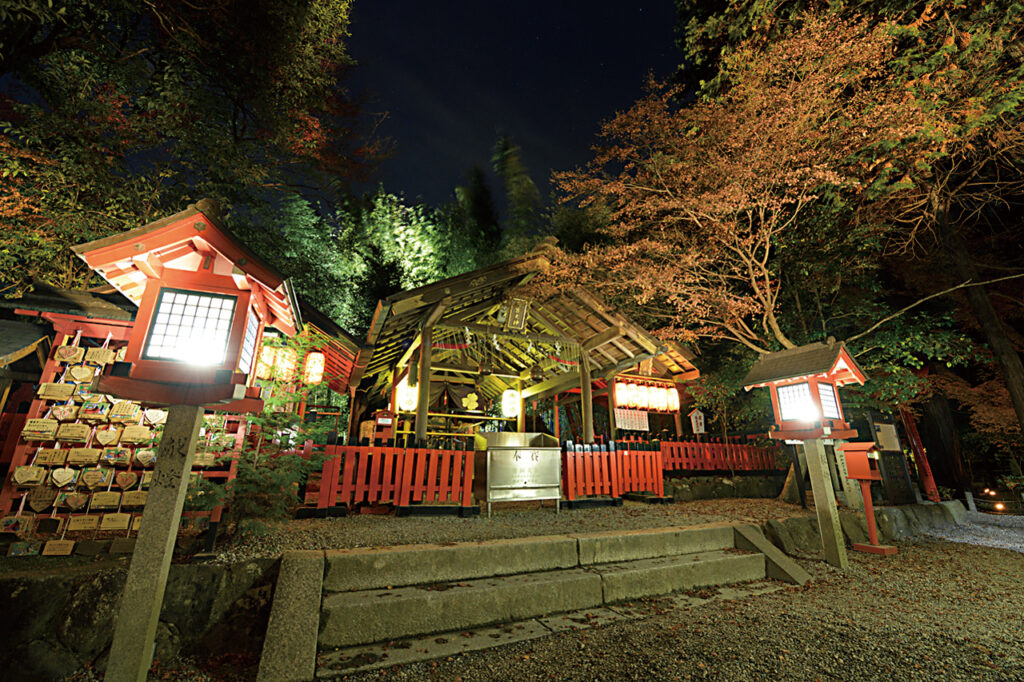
(518, 467)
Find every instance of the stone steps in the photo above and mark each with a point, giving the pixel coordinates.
(380, 595)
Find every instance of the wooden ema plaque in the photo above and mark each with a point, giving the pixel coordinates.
(40, 429)
(69, 354)
(86, 522)
(83, 456)
(58, 548)
(134, 498)
(117, 521)
(51, 457)
(55, 391)
(99, 356)
(107, 499)
(73, 433)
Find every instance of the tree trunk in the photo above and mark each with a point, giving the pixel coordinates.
(1006, 356)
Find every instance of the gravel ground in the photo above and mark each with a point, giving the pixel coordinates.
(934, 611)
(990, 530)
(370, 530)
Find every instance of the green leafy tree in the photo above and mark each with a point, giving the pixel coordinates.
(115, 113)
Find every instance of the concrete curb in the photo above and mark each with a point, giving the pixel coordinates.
(289, 650)
(614, 546)
(777, 565)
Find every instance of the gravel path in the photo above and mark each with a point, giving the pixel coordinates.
(369, 530)
(989, 530)
(934, 611)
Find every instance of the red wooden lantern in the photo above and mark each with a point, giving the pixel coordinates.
(804, 385)
(203, 299)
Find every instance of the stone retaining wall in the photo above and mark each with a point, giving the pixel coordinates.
(800, 535)
(54, 625)
(689, 488)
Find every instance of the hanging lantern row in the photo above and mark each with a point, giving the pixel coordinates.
(282, 364)
(646, 397)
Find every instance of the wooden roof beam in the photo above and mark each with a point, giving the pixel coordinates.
(602, 338)
(498, 331)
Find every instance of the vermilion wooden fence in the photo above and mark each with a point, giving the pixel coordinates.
(641, 470)
(717, 456)
(354, 474)
(588, 470)
(437, 476)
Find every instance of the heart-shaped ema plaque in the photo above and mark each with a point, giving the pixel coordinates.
(63, 476)
(64, 413)
(42, 498)
(73, 501)
(69, 354)
(108, 436)
(145, 456)
(82, 374)
(28, 475)
(94, 478)
(126, 479)
(155, 417)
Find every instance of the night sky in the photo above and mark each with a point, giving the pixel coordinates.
(453, 75)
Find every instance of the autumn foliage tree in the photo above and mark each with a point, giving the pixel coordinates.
(702, 195)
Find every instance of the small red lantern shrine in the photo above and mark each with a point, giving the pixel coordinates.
(804, 385)
(862, 466)
(204, 300)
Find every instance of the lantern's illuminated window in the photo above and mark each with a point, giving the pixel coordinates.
(829, 405)
(252, 330)
(795, 403)
(191, 327)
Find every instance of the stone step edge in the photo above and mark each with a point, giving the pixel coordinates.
(380, 615)
(376, 568)
(369, 657)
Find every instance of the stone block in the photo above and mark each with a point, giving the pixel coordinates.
(805, 533)
(777, 564)
(350, 618)
(779, 534)
(916, 520)
(892, 524)
(681, 492)
(289, 651)
(366, 569)
(854, 526)
(612, 546)
(955, 510)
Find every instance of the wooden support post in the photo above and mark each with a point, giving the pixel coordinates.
(677, 417)
(521, 420)
(6, 380)
(613, 431)
(558, 426)
(423, 385)
(586, 400)
(131, 652)
(825, 505)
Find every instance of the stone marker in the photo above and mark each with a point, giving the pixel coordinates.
(131, 652)
(825, 505)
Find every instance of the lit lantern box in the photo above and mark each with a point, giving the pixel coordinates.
(804, 385)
